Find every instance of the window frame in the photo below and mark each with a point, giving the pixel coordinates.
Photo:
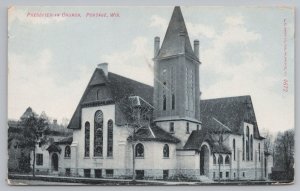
(137, 146)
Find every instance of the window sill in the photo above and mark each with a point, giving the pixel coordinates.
(172, 132)
(86, 157)
(139, 157)
(166, 157)
(110, 157)
(97, 157)
(67, 157)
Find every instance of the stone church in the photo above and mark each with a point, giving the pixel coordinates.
(121, 126)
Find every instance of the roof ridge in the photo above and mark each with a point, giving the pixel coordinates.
(118, 75)
(231, 97)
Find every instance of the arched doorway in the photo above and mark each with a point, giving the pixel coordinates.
(204, 160)
(54, 162)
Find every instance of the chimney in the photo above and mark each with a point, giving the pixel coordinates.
(156, 45)
(54, 121)
(182, 40)
(104, 68)
(196, 48)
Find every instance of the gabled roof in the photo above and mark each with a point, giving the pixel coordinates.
(196, 139)
(172, 43)
(113, 89)
(153, 133)
(230, 111)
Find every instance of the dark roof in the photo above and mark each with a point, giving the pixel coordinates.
(153, 133)
(231, 112)
(196, 139)
(113, 89)
(172, 43)
(67, 140)
(54, 148)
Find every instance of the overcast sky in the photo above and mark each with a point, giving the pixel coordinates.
(242, 51)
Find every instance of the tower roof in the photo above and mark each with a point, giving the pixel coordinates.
(172, 44)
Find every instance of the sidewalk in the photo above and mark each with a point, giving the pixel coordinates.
(103, 181)
(119, 182)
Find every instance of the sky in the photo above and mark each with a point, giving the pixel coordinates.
(243, 50)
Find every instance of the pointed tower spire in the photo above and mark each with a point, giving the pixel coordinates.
(176, 40)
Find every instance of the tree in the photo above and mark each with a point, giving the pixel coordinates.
(33, 128)
(219, 133)
(284, 152)
(138, 114)
(268, 142)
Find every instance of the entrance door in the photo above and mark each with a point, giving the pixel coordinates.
(54, 162)
(204, 160)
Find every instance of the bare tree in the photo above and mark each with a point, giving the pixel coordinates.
(219, 134)
(138, 114)
(268, 142)
(285, 150)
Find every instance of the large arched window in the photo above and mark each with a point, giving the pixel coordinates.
(259, 151)
(251, 147)
(98, 134)
(139, 150)
(220, 160)
(173, 101)
(227, 161)
(247, 144)
(233, 145)
(243, 146)
(67, 151)
(166, 151)
(110, 135)
(87, 139)
(164, 102)
(214, 159)
(247, 150)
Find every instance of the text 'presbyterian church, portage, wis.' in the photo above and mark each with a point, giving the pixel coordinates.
(121, 126)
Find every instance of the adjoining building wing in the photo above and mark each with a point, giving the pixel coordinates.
(231, 112)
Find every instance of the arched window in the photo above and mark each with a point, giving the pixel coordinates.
(87, 139)
(173, 101)
(220, 160)
(166, 151)
(251, 147)
(164, 102)
(67, 151)
(247, 144)
(227, 161)
(259, 151)
(110, 135)
(233, 145)
(98, 134)
(139, 150)
(247, 149)
(243, 146)
(214, 159)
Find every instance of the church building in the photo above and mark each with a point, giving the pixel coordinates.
(121, 126)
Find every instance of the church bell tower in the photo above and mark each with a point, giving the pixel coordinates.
(176, 70)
